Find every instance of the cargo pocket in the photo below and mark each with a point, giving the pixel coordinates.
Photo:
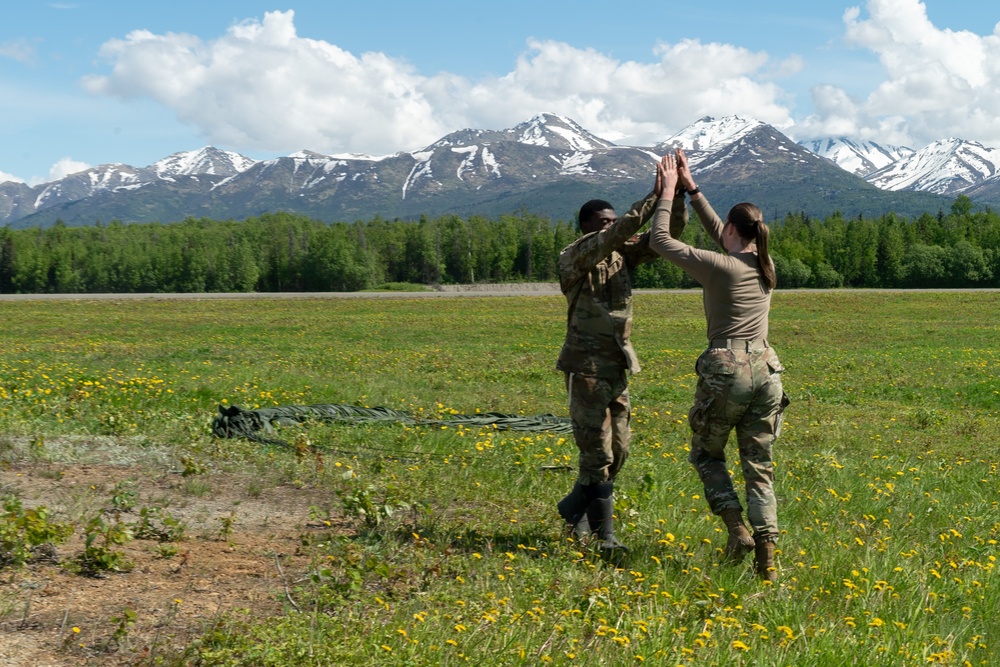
(779, 418)
(717, 361)
(698, 416)
(774, 365)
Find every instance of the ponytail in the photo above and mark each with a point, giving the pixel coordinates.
(766, 265)
(749, 223)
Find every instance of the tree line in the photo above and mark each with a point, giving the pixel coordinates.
(290, 252)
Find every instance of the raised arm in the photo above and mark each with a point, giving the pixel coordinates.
(578, 259)
(709, 219)
(661, 240)
(696, 262)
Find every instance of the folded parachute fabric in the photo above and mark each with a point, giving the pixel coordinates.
(235, 422)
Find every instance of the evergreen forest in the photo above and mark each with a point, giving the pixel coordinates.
(283, 252)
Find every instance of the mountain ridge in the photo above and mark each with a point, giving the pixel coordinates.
(543, 165)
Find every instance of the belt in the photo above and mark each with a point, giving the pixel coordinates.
(739, 343)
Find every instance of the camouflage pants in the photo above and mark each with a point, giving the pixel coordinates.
(600, 411)
(742, 390)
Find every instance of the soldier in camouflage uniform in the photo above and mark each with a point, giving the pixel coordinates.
(597, 355)
(739, 375)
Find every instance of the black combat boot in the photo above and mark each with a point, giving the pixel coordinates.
(573, 510)
(600, 515)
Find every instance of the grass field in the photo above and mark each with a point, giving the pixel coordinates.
(421, 545)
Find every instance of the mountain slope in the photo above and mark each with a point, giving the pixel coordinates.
(944, 167)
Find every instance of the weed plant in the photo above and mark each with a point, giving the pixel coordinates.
(442, 544)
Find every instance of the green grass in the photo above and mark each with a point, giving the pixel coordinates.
(886, 475)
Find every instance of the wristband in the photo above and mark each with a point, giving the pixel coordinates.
(695, 191)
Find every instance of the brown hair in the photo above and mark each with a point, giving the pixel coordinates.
(749, 224)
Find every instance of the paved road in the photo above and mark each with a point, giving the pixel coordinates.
(508, 289)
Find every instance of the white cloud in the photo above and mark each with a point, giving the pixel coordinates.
(628, 101)
(9, 178)
(65, 167)
(19, 49)
(261, 86)
(938, 82)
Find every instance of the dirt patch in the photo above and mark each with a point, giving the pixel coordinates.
(238, 552)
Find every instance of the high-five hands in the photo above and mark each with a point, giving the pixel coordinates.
(666, 176)
(684, 179)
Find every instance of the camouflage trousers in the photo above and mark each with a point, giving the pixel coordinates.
(600, 411)
(742, 390)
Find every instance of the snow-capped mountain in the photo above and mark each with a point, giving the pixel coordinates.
(857, 157)
(546, 130)
(944, 167)
(709, 134)
(208, 160)
(558, 132)
(547, 165)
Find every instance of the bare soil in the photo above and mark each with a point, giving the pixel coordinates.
(51, 617)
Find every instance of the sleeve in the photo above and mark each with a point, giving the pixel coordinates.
(697, 263)
(638, 252)
(710, 220)
(579, 258)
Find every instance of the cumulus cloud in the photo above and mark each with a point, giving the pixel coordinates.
(938, 82)
(9, 178)
(630, 102)
(65, 167)
(261, 86)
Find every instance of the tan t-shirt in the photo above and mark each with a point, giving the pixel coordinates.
(735, 297)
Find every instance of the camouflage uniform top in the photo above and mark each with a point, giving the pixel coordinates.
(594, 276)
(735, 297)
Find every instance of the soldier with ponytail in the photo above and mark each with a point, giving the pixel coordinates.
(739, 374)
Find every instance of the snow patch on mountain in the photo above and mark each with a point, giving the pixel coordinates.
(574, 164)
(490, 162)
(422, 168)
(469, 163)
(364, 157)
(110, 176)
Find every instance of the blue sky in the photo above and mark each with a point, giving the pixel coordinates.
(86, 83)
